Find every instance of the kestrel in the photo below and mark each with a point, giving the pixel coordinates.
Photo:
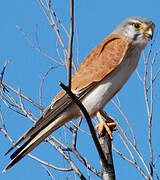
(100, 76)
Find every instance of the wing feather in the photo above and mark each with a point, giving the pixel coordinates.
(99, 63)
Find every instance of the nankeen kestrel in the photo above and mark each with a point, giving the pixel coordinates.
(100, 76)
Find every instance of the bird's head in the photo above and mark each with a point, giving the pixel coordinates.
(137, 29)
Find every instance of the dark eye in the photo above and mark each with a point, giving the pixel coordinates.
(137, 26)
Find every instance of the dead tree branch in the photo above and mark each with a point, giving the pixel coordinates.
(103, 159)
(70, 51)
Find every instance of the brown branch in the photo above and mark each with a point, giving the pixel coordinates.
(29, 115)
(59, 55)
(1, 76)
(89, 122)
(127, 121)
(77, 154)
(133, 145)
(74, 138)
(106, 144)
(150, 119)
(3, 123)
(49, 165)
(70, 43)
(149, 103)
(58, 20)
(51, 137)
(23, 96)
(42, 81)
(85, 163)
(88, 134)
(49, 173)
(53, 24)
(74, 167)
(127, 147)
(10, 106)
(34, 47)
(131, 162)
(77, 38)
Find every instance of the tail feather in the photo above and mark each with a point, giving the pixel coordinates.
(50, 113)
(34, 141)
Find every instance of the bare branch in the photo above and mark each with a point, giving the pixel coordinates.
(131, 128)
(131, 162)
(58, 20)
(49, 173)
(74, 167)
(89, 122)
(108, 173)
(37, 49)
(3, 124)
(52, 23)
(23, 108)
(140, 78)
(42, 81)
(23, 96)
(70, 43)
(1, 77)
(84, 162)
(74, 138)
(133, 145)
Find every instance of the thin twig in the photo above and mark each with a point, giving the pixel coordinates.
(58, 20)
(70, 43)
(134, 147)
(74, 167)
(74, 138)
(41, 85)
(23, 108)
(85, 163)
(127, 147)
(132, 162)
(150, 120)
(140, 78)
(3, 123)
(77, 37)
(88, 134)
(49, 173)
(131, 128)
(11, 107)
(53, 24)
(23, 96)
(34, 47)
(1, 77)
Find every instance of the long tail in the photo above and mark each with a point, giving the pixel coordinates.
(54, 117)
(34, 141)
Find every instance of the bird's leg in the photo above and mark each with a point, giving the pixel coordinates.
(109, 124)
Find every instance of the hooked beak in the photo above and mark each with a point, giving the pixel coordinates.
(148, 33)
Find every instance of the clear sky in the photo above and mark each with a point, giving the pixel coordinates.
(95, 20)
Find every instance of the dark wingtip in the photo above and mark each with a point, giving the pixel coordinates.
(9, 150)
(6, 168)
(9, 166)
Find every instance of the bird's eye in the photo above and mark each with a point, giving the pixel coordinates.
(137, 26)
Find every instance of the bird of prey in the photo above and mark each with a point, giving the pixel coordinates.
(100, 76)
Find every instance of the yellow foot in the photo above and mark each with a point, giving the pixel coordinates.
(109, 125)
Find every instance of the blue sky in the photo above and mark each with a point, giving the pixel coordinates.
(95, 20)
